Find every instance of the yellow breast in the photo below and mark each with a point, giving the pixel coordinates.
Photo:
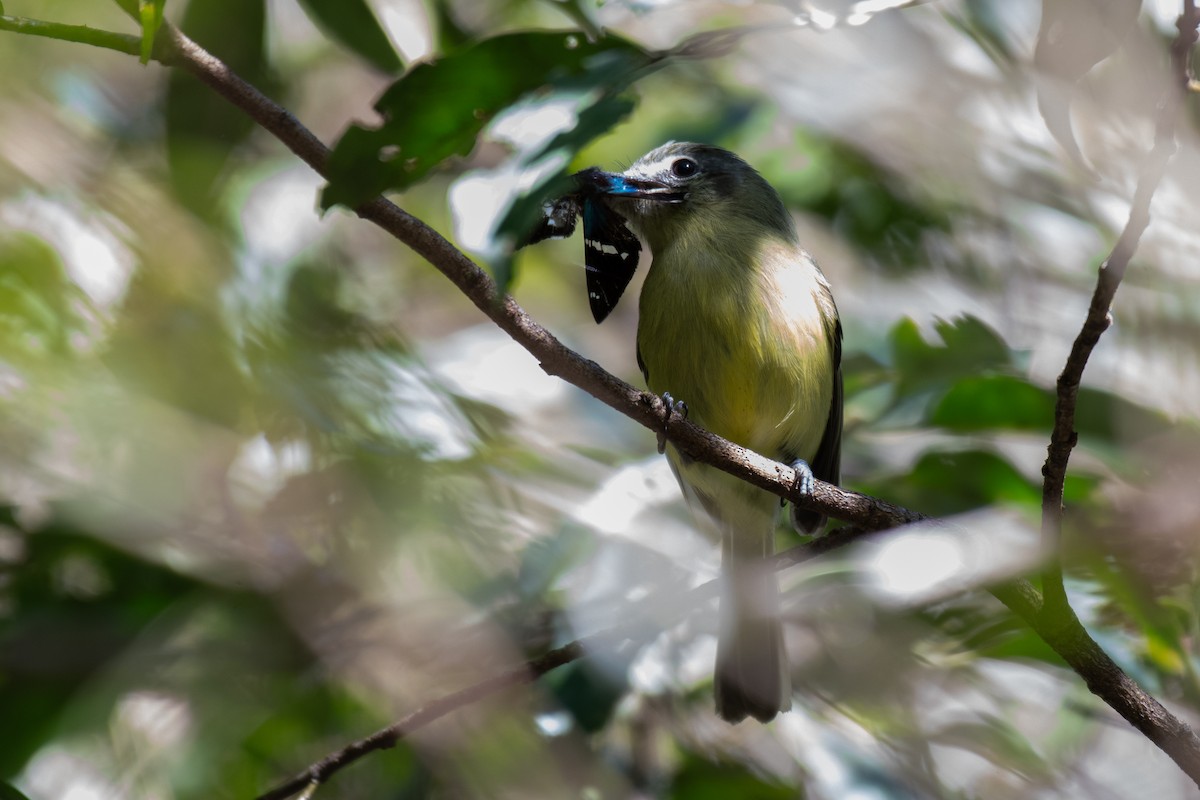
(743, 343)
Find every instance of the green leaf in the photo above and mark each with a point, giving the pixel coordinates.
(987, 632)
(985, 22)
(36, 299)
(203, 129)
(1108, 417)
(596, 118)
(437, 109)
(591, 694)
(450, 34)
(150, 13)
(994, 402)
(864, 202)
(953, 482)
(1005, 402)
(354, 25)
(996, 740)
(548, 557)
(969, 347)
(7, 790)
(699, 779)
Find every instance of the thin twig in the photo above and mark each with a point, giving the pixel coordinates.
(1063, 437)
(638, 628)
(387, 737)
(80, 34)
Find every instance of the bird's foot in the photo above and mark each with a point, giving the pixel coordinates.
(803, 482)
(678, 407)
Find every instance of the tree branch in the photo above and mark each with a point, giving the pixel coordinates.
(1067, 638)
(1063, 437)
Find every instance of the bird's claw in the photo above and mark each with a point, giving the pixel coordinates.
(673, 407)
(803, 482)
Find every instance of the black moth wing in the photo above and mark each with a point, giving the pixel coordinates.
(610, 255)
(611, 251)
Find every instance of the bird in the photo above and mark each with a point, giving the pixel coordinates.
(737, 329)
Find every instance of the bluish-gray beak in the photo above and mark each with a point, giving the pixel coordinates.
(618, 185)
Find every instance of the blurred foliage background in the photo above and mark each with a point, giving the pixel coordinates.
(268, 482)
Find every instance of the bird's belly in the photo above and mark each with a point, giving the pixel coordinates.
(769, 390)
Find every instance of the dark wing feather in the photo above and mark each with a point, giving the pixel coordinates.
(827, 464)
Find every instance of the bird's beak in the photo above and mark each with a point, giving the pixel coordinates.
(617, 185)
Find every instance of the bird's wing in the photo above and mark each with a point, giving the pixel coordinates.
(827, 465)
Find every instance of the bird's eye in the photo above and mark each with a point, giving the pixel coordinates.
(684, 168)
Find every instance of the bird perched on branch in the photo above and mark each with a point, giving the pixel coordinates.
(738, 329)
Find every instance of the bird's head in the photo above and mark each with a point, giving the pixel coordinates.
(684, 187)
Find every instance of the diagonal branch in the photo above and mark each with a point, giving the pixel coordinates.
(1063, 438)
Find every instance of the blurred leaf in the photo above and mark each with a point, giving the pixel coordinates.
(437, 109)
(547, 558)
(174, 346)
(994, 402)
(1003, 402)
(969, 347)
(865, 203)
(985, 23)
(944, 483)
(1019, 644)
(203, 129)
(596, 118)
(36, 299)
(1110, 418)
(591, 694)
(989, 631)
(1073, 37)
(7, 790)
(580, 12)
(150, 13)
(997, 741)
(302, 723)
(353, 23)
(316, 313)
(450, 34)
(701, 779)
(1080, 487)
(1160, 639)
(75, 603)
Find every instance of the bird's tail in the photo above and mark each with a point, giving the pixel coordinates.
(751, 677)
